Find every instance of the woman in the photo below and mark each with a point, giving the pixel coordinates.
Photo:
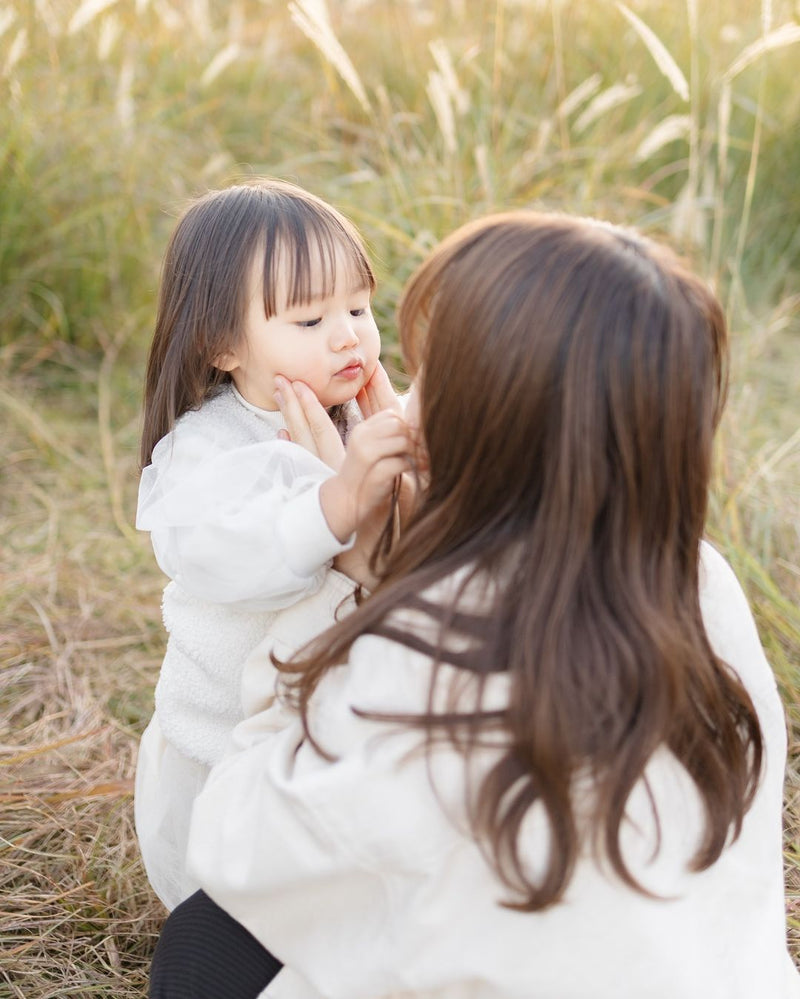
(544, 759)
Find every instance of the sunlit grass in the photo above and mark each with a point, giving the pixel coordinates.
(412, 117)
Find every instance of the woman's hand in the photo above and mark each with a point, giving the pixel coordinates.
(378, 451)
(308, 423)
(378, 394)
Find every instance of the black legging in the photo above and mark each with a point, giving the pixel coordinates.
(203, 953)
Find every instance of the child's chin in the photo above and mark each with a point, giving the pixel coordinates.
(345, 395)
(329, 402)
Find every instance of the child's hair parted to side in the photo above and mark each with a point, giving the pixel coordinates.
(571, 377)
(204, 288)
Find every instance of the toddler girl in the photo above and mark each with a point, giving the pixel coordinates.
(262, 285)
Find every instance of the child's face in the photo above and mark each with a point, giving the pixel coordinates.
(332, 344)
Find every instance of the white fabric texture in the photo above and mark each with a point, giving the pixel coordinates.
(236, 523)
(365, 881)
(167, 783)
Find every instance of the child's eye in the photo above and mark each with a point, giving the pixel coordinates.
(307, 323)
(357, 312)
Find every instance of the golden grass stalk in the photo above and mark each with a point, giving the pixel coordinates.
(723, 137)
(614, 96)
(694, 108)
(124, 105)
(558, 60)
(497, 60)
(86, 13)
(7, 18)
(444, 63)
(658, 51)
(224, 58)
(691, 16)
(439, 96)
(311, 17)
(200, 14)
(670, 129)
(110, 31)
(780, 38)
(16, 51)
(749, 191)
(766, 16)
(577, 97)
(482, 166)
(687, 219)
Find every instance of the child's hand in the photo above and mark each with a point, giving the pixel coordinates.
(308, 423)
(378, 394)
(379, 449)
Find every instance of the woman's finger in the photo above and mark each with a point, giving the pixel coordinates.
(296, 421)
(327, 444)
(379, 394)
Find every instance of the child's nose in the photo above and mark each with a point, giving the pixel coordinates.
(344, 334)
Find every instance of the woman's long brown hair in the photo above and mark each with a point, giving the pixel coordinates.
(205, 284)
(573, 375)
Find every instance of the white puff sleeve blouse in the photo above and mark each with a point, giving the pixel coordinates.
(233, 512)
(236, 524)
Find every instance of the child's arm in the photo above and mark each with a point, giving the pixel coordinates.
(237, 523)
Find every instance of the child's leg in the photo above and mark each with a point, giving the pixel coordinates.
(205, 954)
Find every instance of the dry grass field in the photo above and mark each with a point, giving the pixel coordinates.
(412, 117)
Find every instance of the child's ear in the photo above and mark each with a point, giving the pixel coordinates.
(227, 361)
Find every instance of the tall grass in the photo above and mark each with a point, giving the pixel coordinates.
(412, 116)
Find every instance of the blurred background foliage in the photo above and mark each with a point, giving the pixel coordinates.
(411, 116)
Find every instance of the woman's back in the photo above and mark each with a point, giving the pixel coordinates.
(384, 859)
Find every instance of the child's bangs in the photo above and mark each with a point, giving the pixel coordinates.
(304, 263)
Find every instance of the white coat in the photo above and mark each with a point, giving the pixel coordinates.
(362, 877)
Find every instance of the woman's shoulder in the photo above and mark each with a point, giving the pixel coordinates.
(731, 627)
(722, 599)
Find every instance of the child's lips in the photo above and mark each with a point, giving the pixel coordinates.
(351, 371)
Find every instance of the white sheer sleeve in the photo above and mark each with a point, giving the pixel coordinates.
(237, 524)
